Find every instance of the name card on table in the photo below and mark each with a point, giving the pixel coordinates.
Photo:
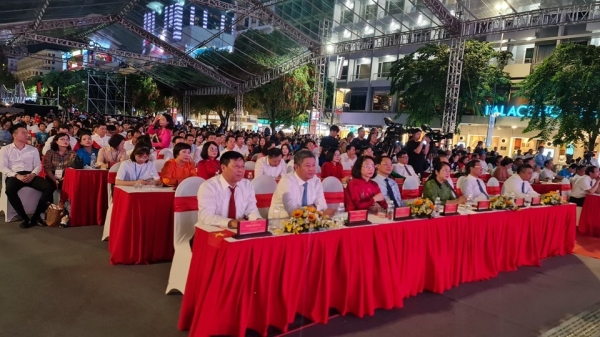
(535, 201)
(450, 209)
(483, 205)
(519, 202)
(565, 198)
(252, 229)
(402, 213)
(358, 218)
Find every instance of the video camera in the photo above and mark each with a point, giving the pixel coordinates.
(436, 136)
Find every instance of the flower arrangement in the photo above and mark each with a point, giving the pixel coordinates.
(306, 219)
(502, 202)
(552, 198)
(421, 207)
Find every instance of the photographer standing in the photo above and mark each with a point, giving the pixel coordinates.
(417, 151)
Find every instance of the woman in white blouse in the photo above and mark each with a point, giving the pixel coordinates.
(138, 169)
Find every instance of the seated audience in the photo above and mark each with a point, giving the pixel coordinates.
(286, 151)
(472, 185)
(402, 168)
(272, 165)
(179, 168)
(228, 198)
(209, 166)
(332, 167)
(548, 174)
(579, 172)
(20, 164)
(349, 157)
(113, 153)
(568, 171)
(387, 185)
(137, 169)
(57, 159)
(518, 183)
(585, 185)
(300, 188)
(144, 141)
(86, 149)
(362, 192)
(535, 176)
(501, 172)
(437, 185)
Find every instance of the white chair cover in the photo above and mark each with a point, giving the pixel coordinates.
(332, 184)
(106, 229)
(346, 166)
(159, 163)
(290, 166)
(460, 181)
(411, 183)
(317, 169)
(184, 226)
(29, 198)
(264, 185)
(250, 165)
(167, 154)
(493, 182)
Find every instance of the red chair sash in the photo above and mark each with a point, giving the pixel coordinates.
(263, 200)
(400, 181)
(458, 193)
(493, 190)
(410, 194)
(186, 204)
(565, 187)
(334, 197)
(160, 156)
(112, 178)
(454, 180)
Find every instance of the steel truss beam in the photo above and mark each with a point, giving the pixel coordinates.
(114, 52)
(45, 25)
(123, 12)
(443, 14)
(455, 66)
(239, 111)
(428, 35)
(175, 52)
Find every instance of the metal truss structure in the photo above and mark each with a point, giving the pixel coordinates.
(455, 66)
(122, 13)
(321, 75)
(443, 14)
(239, 111)
(186, 110)
(107, 94)
(46, 25)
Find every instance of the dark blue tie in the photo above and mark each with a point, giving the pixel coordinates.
(482, 190)
(523, 188)
(390, 192)
(305, 195)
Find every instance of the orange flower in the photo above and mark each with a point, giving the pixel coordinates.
(311, 217)
(418, 202)
(311, 209)
(297, 213)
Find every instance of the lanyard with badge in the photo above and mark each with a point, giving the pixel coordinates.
(137, 175)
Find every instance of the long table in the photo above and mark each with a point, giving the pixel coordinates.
(87, 192)
(589, 223)
(234, 285)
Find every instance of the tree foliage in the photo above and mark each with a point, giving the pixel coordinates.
(563, 95)
(419, 79)
(222, 105)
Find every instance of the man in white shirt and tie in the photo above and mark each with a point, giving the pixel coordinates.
(101, 137)
(387, 185)
(472, 185)
(349, 158)
(63, 128)
(548, 174)
(272, 165)
(588, 184)
(300, 188)
(226, 199)
(20, 164)
(518, 183)
(402, 168)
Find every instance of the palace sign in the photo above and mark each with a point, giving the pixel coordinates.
(515, 110)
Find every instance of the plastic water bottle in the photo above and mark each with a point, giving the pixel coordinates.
(340, 215)
(436, 207)
(470, 200)
(93, 160)
(390, 210)
(527, 201)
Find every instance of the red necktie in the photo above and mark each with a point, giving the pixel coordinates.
(232, 210)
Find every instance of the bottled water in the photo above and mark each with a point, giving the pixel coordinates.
(390, 209)
(436, 207)
(340, 215)
(527, 201)
(93, 160)
(470, 200)
(274, 223)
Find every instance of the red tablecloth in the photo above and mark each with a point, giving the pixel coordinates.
(257, 283)
(589, 221)
(545, 188)
(141, 227)
(86, 190)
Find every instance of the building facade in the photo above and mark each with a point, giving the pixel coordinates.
(39, 64)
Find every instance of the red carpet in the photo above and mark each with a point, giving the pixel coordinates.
(587, 246)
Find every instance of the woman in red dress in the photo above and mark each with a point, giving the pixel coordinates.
(332, 167)
(362, 192)
(209, 166)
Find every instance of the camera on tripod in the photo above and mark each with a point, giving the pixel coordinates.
(436, 136)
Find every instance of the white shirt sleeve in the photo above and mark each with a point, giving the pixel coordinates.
(47, 145)
(208, 200)
(259, 167)
(4, 160)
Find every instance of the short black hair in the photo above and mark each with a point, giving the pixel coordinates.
(274, 153)
(111, 128)
(175, 139)
(139, 151)
(523, 167)
(115, 141)
(15, 127)
(227, 138)
(63, 126)
(334, 128)
(581, 167)
(547, 162)
(179, 147)
(379, 159)
(437, 167)
(358, 166)
(204, 153)
(506, 161)
(470, 165)
(573, 166)
(189, 135)
(229, 156)
(330, 154)
(54, 144)
(350, 146)
(590, 169)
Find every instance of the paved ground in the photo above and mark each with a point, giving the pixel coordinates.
(58, 282)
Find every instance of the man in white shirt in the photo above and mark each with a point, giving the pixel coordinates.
(63, 128)
(349, 158)
(472, 184)
(517, 155)
(585, 185)
(518, 184)
(101, 137)
(130, 144)
(229, 144)
(387, 185)
(189, 140)
(300, 188)
(227, 198)
(272, 165)
(241, 147)
(402, 168)
(594, 160)
(579, 172)
(535, 176)
(20, 164)
(548, 172)
(484, 165)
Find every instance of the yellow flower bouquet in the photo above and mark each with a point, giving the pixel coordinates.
(552, 198)
(306, 219)
(502, 202)
(421, 208)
